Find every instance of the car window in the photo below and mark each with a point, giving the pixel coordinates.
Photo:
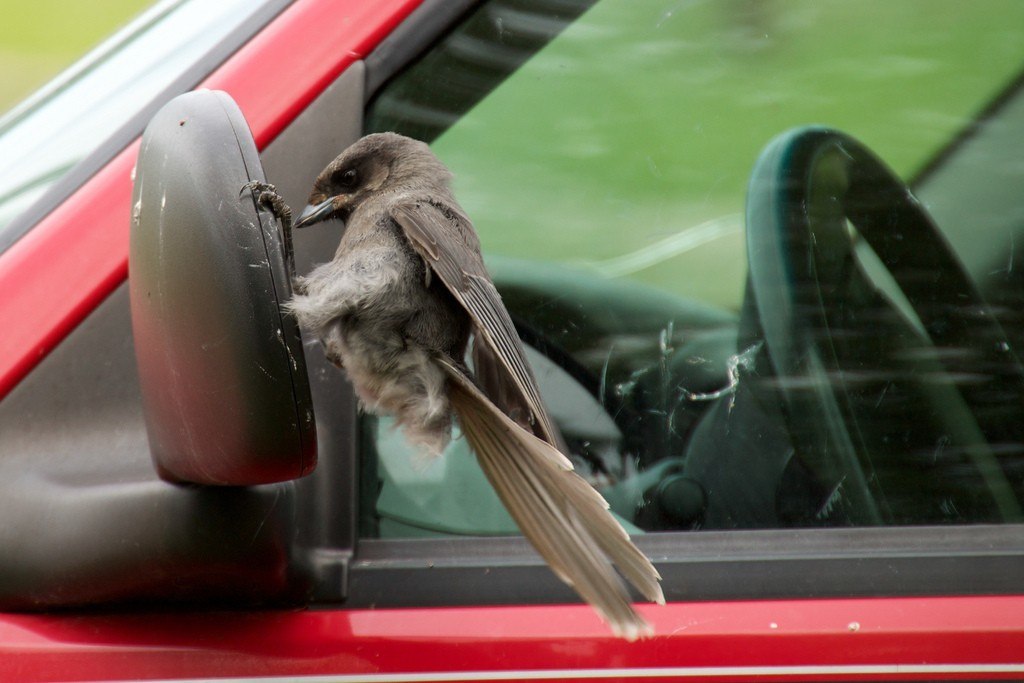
(620, 181)
(68, 119)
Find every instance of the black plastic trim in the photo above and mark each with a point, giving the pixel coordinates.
(704, 566)
(414, 36)
(85, 169)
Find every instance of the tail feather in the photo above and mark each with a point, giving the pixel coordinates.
(564, 518)
(500, 387)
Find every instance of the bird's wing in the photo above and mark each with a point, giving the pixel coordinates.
(443, 235)
(566, 520)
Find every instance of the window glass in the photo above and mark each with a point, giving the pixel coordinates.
(69, 118)
(735, 335)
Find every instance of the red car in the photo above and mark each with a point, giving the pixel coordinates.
(764, 259)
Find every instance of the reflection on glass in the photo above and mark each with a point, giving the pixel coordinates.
(56, 128)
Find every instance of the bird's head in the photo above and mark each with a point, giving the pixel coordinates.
(381, 162)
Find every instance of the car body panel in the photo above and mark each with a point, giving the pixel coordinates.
(771, 640)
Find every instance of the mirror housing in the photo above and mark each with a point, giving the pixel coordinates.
(224, 386)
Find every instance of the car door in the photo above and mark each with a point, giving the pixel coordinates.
(604, 152)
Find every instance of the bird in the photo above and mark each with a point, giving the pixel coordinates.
(404, 298)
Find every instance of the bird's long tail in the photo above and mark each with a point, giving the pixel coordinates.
(565, 519)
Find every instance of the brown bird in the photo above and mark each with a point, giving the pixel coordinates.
(396, 308)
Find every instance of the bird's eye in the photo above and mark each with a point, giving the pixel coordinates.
(347, 178)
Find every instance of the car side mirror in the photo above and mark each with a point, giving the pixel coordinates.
(224, 386)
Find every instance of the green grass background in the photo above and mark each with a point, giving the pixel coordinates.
(40, 38)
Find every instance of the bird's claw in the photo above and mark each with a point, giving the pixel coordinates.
(267, 197)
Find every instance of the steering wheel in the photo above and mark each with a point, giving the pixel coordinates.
(853, 358)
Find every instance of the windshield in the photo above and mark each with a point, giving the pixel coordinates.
(44, 137)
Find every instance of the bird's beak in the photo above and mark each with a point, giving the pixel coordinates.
(315, 213)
